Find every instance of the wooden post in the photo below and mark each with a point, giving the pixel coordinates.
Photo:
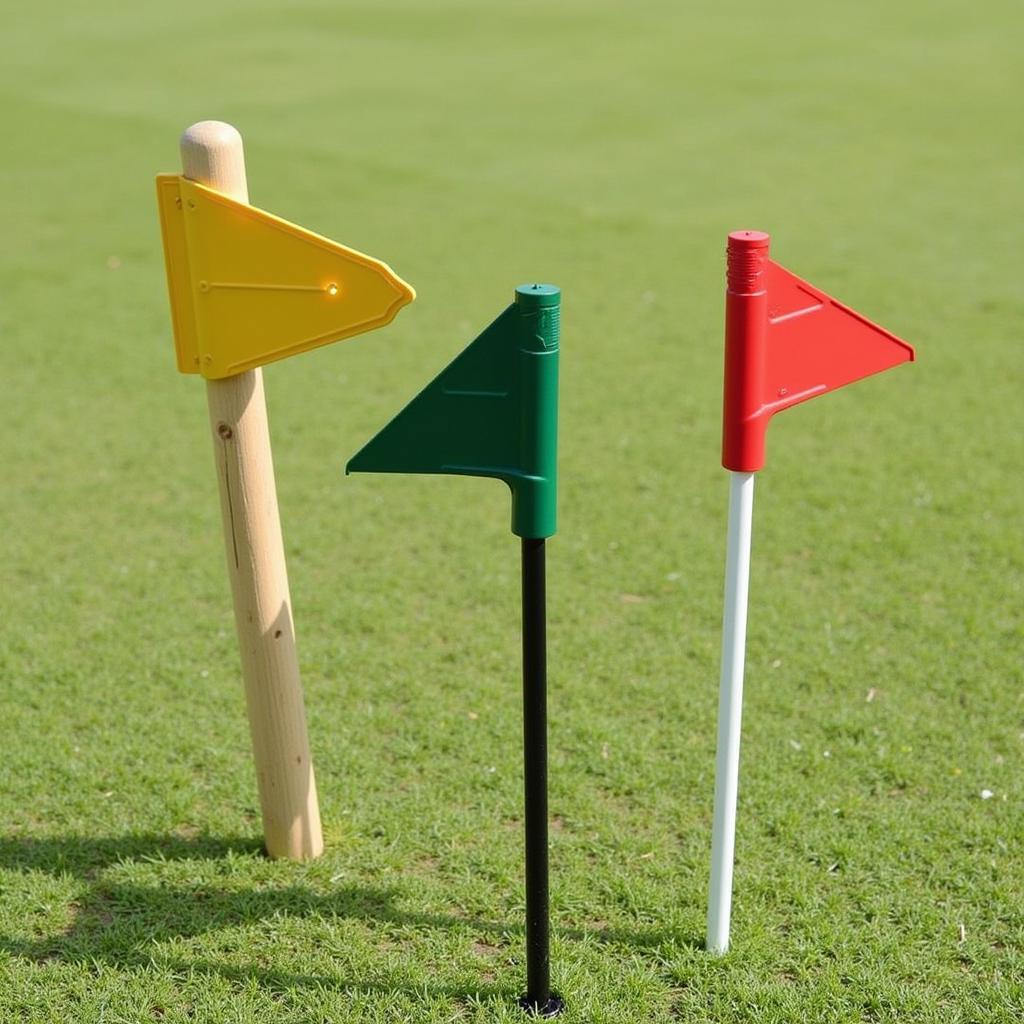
(211, 153)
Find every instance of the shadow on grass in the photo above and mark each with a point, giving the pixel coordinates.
(86, 857)
(118, 922)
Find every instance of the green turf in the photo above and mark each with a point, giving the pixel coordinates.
(607, 147)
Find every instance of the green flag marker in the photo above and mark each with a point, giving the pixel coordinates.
(493, 411)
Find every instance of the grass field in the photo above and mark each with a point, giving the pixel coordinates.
(608, 148)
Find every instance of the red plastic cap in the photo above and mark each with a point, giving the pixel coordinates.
(786, 341)
(746, 255)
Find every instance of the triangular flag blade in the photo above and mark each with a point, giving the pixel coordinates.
(248, 288)
(493, 411)
(816, 344)
(786, 342)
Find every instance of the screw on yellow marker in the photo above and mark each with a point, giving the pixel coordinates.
(248, 288)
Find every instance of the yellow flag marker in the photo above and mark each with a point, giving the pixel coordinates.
(248, 288)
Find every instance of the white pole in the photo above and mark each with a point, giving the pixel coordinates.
(730, 707)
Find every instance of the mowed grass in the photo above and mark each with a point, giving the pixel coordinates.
(608, 148)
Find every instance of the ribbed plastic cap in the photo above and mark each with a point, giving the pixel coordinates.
(746, 258)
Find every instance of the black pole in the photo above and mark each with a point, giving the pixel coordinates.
(539, 999)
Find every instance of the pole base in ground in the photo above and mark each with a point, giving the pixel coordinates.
(551, 1007)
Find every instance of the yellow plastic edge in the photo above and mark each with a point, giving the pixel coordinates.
(173, 191)
(179, 276)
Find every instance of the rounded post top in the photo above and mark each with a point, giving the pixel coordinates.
(212, 154)
(211, 135)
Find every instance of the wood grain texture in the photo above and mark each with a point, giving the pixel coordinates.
(211, 153)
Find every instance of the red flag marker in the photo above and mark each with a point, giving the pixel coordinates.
(785, 342)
